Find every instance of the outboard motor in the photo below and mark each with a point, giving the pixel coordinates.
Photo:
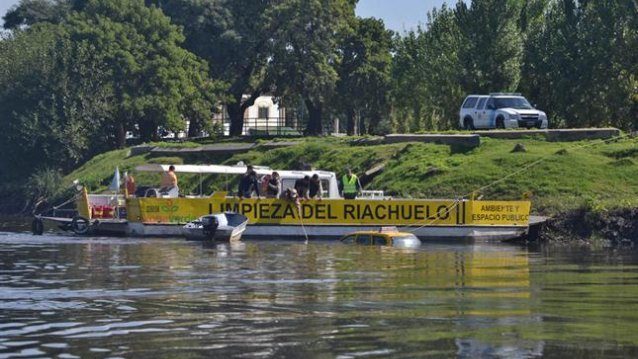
(209, 226)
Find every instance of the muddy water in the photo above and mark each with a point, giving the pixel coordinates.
(69, 297)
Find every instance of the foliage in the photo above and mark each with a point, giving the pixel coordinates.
(365, 75)
(305, 52)
(234, 37)
(72, 89)
(44, 184)
(582, 64)
(53, 106)
(575, 59)
(427, 92)
(491, 45)
(30, 12)
(77, 76)
(154, 80)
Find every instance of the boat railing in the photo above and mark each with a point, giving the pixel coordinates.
(372, 194)
(106, 199)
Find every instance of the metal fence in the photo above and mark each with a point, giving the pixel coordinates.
(266, 126)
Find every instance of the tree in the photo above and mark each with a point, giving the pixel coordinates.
(153, 79)
(427, 74)
(53, 100)
(580, 63)
(491, 57)
(444, 45)
(29, 12)
(72, 90)
(305, 52)
(409, 88)
(364, 75)
(234, 36)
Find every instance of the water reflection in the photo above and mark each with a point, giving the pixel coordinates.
(103, 297)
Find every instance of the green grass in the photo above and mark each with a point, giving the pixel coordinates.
(599, 175)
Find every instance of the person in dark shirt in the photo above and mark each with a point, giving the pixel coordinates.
(248, 183)
(273, 189)
(314, 187)
(302, 185)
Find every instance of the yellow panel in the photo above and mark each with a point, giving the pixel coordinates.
(275, 211)
(82, 204)
(498, 213)
(335, 212)
(133, 210)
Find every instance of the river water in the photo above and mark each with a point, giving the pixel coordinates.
(67, 297)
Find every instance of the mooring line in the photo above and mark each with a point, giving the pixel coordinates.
(303, 227)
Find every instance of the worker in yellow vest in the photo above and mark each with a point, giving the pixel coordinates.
(350, 186)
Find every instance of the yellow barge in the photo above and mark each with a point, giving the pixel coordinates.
(331, 217)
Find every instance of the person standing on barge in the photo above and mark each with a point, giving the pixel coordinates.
(314, 188)
(248, 183)
(169, 183)
(273, 186)
(350, 185)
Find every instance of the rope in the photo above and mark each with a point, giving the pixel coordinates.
(522, 169)
(303, 227)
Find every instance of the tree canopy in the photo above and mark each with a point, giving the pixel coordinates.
(108, 68)
(73, 89)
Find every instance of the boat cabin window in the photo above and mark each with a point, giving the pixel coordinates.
(325, 184)
(349, 239)
(379, 240)
(364, 239)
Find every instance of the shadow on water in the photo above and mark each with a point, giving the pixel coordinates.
(105, 297)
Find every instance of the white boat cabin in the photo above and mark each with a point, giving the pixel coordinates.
(288, 178)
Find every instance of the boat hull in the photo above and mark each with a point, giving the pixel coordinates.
(260, 232)
(221, 234)
(313, 232)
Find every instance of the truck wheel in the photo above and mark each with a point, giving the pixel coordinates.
(468, 124)
(80, 225)
(500, 122)
(37, 227)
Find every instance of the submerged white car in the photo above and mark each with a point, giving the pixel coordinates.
(500, 110)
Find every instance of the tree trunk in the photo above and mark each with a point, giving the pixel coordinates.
(148, 131)
(350, 130)
(315, 114)
(121, 136)
(362, 126)
(372, 124)
(236, 116)
(194, 128)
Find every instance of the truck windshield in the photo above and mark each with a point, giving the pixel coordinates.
(519, 103)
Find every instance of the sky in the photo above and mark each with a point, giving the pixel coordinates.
(398, 15)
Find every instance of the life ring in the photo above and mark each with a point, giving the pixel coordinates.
(80, 225)
(37, 227)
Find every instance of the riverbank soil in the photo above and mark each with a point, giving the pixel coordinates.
(616, 227)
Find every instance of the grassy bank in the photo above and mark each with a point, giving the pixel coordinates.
(595, 174)
(595, 178)
(591, 188)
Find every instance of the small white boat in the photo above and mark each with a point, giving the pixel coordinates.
(228, 226)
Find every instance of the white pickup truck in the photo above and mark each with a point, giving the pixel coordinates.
(500, 110)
